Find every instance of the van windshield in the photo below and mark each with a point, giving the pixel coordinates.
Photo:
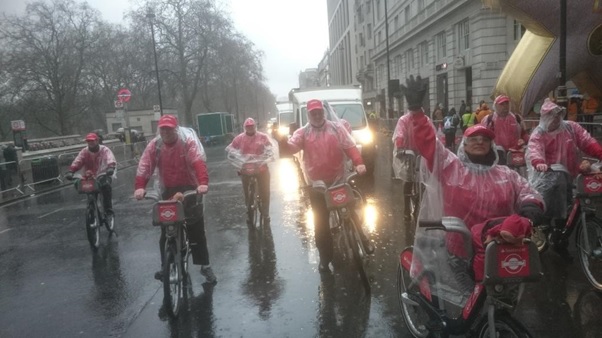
(286, 118)
(352, 112)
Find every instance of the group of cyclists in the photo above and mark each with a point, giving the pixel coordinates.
(472, 184)
(476, 187)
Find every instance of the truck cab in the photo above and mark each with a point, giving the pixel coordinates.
(346, 101)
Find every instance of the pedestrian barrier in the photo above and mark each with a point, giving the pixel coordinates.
(42, 172)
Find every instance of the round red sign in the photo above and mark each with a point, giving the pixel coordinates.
(124, 95)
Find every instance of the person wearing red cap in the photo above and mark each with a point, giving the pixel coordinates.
(179, 157)
(557, 141)
(98, 159)
(325, 144)
(470, 185)
(254, 146)
(509, 133)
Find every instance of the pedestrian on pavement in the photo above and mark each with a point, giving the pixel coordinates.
(254, 147)
(468, 118)
(180, 159)
(450, 126)
(325, 144)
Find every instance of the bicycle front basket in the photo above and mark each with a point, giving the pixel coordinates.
(339, 196)
(516, 159)
(87, 186)
(589, 185)
(249, 169)
(511, 264)
(167, 213)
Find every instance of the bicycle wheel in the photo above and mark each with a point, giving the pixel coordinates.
(590, 251)
(358, 252)
(92, 224)
(252, 204)
(505, 327)
(414, 316)
(172, 287)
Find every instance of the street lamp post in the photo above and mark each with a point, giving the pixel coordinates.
(389, 106)
(151, 16)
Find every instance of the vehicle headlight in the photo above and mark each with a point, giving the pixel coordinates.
(365, 136)
(283, 131)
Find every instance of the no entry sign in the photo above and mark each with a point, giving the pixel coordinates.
(124, 95)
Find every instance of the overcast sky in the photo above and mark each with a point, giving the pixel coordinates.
(293, 34)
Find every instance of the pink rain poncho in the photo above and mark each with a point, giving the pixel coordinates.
(245, 149)
(324, 149)
(559, 145)
(463, 194)
(560, 142)
(97, 162)
(179, 164)
(507, 130)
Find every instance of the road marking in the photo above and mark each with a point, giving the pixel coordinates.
(5, 230)
(50, 213)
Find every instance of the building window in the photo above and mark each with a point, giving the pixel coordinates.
(440, 43)
(463, 35)
(420, 5)
(396, 23)
(409, 60)
(378, 9)
(519, 30)
(406, 13)
(369, 31)
(380, 37)
(115, 126)
(424, 53)
(398, 64)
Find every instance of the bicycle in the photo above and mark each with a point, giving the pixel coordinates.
(342, 200)
(407, 167)
(169, 215)
(582, 217)
(432, 306)
(95, 213)
(253, 198)
(250, 167)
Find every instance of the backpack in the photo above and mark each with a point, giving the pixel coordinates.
(447, 123)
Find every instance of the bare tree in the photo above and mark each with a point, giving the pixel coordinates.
(48, 57)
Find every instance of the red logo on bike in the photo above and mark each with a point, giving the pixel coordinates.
(592, 184)
(339, 196)
(167, 213)
(513, 261)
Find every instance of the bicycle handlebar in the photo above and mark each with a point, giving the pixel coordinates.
(155, 196)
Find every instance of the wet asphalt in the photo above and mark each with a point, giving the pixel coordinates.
(53, 285)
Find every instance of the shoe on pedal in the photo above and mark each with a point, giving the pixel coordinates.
(324, 266)
(159, 275)
(207, 272)
(369, 247)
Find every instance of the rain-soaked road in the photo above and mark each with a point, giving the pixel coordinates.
(53, 285)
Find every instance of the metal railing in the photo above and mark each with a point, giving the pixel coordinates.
(33, 174)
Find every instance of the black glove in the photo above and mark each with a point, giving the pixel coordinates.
(414, 90)
(110, 171)
(532, 211)
(68, 175)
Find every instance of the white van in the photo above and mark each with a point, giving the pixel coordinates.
(347, 104)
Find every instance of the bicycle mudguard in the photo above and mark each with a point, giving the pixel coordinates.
(511, 264)
(408, 263)
(168, 213)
